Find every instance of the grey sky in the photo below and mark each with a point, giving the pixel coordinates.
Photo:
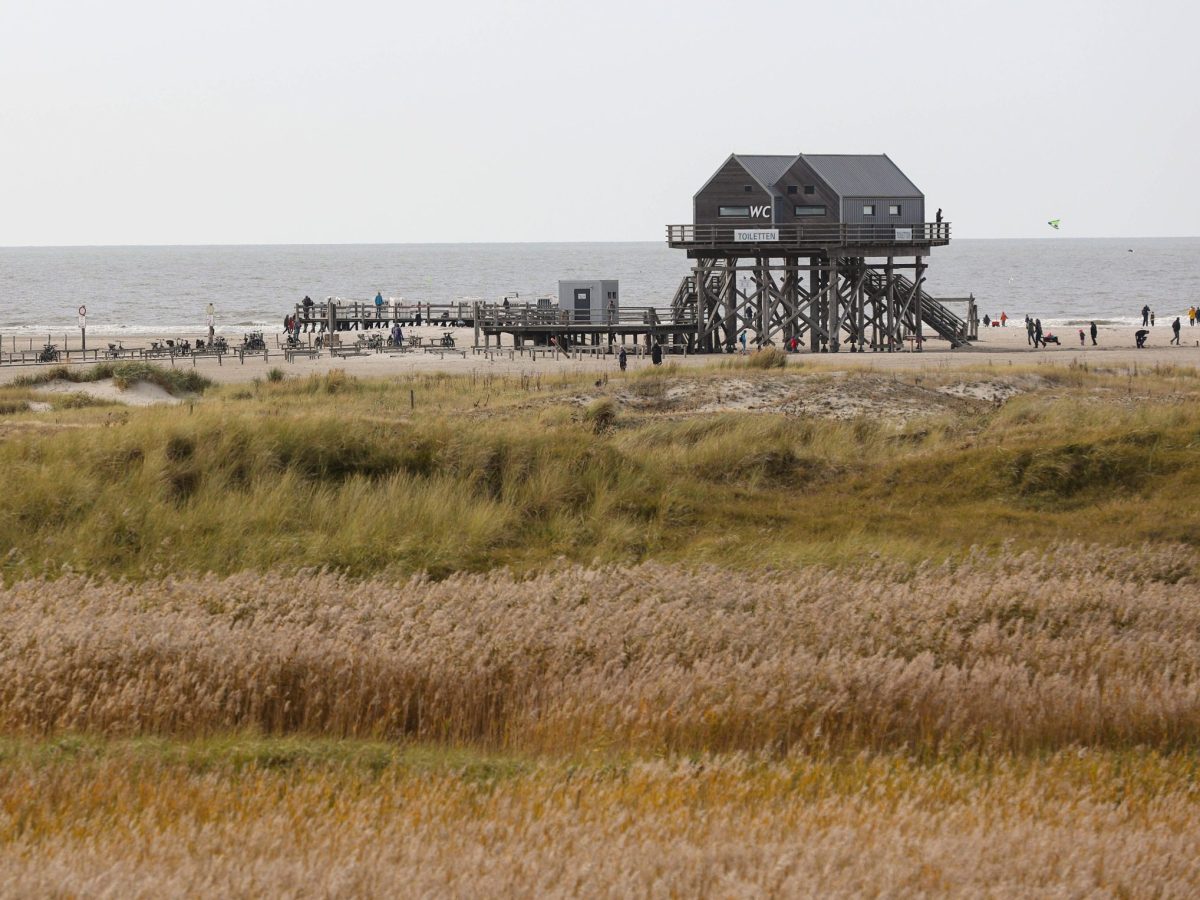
(264, 122)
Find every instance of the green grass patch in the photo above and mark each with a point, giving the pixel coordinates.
(123, 374)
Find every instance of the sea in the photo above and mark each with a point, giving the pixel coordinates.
(153, 289)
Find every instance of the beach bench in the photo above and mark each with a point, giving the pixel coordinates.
(291, 353)
(343, 352)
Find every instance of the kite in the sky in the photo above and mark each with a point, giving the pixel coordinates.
(1053, 223)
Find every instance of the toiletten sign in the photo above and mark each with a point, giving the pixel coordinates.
(904, 234)
(756, 234)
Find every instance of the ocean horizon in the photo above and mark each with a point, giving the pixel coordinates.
(144, 288)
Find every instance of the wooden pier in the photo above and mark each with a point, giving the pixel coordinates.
(531, 324)
(363, 315)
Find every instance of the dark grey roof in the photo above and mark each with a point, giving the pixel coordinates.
(766, 170)
(853, 175)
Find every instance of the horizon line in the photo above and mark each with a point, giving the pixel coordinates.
(219, 244)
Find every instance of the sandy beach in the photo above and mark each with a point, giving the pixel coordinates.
(995, 347)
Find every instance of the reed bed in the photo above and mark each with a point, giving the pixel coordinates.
(1075, 647)
(1072, 824)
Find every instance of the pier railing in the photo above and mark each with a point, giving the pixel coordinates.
(390, 311)
(494, 315)
(924, 234)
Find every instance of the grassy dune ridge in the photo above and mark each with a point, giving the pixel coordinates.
(341, 473)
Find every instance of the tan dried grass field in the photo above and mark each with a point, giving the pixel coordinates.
(673, 637)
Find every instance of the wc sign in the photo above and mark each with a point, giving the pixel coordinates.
(760, 212)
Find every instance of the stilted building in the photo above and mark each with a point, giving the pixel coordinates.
(824, 249)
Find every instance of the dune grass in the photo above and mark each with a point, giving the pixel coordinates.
(124, 374)
(468, 474)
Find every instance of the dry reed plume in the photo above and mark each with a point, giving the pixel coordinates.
(1075, 824)
(1015, 654)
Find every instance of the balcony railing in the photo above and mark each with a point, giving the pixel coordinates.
(924, 234)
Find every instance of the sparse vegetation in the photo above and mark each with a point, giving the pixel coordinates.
(124, 374)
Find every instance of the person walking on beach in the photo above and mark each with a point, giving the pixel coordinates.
(1191, 315)
(986, 320)
(1151, 318)
(656, 353)
(743, 340)
(1029, 330)
(1082, 337)
(1037, 333)
(622, 359)
(1003, 319)
(1175, 328)
(1145, 315)
(1095, 330)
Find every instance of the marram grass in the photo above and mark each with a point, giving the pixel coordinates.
(444, 474)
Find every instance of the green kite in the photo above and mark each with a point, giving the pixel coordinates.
(1053, 223)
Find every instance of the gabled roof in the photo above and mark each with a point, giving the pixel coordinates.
(860, 175)
(766, 170)
(847, 174)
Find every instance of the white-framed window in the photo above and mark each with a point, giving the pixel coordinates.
(810, 211)
(733, 212)
(893, 209)
(868, 209)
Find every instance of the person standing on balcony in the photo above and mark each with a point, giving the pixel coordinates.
(939, 215)
(378, 305)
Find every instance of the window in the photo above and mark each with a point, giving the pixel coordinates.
(809, 189)
(810, 211)
(612, 295)
(894, 209)
(868, 209)
(791, 189)
(735, 212)
(749, 189)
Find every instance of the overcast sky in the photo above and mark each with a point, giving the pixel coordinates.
(130, 122)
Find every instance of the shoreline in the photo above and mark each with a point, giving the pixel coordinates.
(997, 346)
